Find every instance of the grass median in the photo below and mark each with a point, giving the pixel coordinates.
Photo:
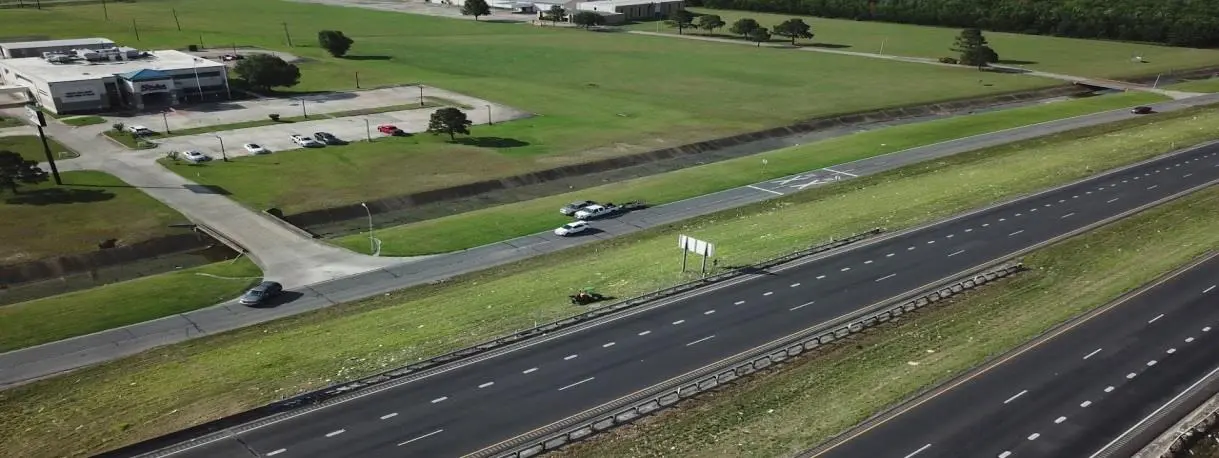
(503, 222)
(30, 323)
(30, 148)
(78, 121)
(143, 396)
(802, 405)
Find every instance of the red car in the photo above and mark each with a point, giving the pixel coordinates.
(389, 129)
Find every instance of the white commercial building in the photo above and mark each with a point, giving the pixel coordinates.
(112, 79)
(20, 49)
(633, 10)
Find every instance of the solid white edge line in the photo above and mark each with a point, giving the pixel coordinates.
(920, 449)
(1156, 412)
(577, 383)
(433, 433)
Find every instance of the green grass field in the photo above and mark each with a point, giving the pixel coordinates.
(142, 396)
(30, 323)
(820, 396)
(30, 148)
(466, 230)
(83, 120)
(48, 220)
(10, 122)
(1037, 52)
(677, 91)
(1207, 85)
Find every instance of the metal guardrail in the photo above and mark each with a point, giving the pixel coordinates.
(708, 378)
(337, 393)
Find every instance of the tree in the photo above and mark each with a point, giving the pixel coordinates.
(449, 121)
(681, 19)
(587, 19)
(556, 13)
(743, 26)
(16, 171)
(794, 28)
(475, 8)
(335, 42)
(709, 22)
(974, 51)
(759, 35)
(264, 71)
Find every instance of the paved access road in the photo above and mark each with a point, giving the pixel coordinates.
(485, 401)
(1074, 394)
(57, 357)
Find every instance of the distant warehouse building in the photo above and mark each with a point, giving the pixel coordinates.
(36, 48)
(632, 10)
(107, 79)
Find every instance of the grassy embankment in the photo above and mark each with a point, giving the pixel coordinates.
(142, 396)
(30, 323)
(1207, 85)
(797, 407)
(470, 229)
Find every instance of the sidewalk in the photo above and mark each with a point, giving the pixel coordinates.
(57, 357)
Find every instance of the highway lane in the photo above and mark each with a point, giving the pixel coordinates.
(29, 364)
(466, 408)
(1070, 395)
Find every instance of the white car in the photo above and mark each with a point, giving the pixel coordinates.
(306, 141)
(593, 211)
(571, 228)
(254, 148)
(140, 130)
(195, 156)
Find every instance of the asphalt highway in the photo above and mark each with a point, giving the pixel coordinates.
(1075, 393)
(21, 366)
(483, 402)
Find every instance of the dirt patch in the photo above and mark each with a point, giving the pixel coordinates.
(436, 203)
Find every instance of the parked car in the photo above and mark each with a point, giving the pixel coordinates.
(306, 142)
(195, 156)
(571, 228)
(254, 148)
(262, 293)
(232, 57)
(328, 138)
(598, 211)
(389, 129)
(140, 130)
(572, 208)
(1141, 110)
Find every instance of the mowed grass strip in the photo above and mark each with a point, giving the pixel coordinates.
(800, 406)
(503, 222)
(677, 90)
(1206, 85)
(30, 323)
(83, 120)
(47, 220)
(1072, 56)
(143, 396)
(30, 148)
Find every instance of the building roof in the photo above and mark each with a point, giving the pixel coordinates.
(617, 3)
(56, 43)
(144, 74)
(158, 61)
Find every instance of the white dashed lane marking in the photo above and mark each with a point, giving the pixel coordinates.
(433, 433)
(1013, 398)
(910, 249)
(607, 344)
(1206, 329)
(955, 253)
(1207, 290)
(797, 284)
(1005, 454)
(820, 277)
(335, 433)
(644, 333)
(1152, 187)
(276, 452)
(1015, 233)
(526, 371)
(768, 293)
(844, 269)
(1112, 200)
(1108, 389)
(1189, 339)
(969, 230)
(389, 415)
(1085, 404)
(1034, 436)
(1060, 420)
(1171, 351)
(1131, 375)
(916, 452)
(1153, 320)
(704, 339)
(570, 357)
(486, 384)
(1094, 352)
(1151, 363)
(708, 312)
(577, 383)
(675, 323)
(806, 304)
(440, 399)
(868, 261)
(738, 302)
(1068, 215)
(890, 255)
(886, 277)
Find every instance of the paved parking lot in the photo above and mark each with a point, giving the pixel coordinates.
(191, 116)
(354, 128)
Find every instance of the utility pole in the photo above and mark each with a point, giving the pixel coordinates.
(489, 121)
(46, 149)
(179, 24)
(105, 11)
(165, 119)
(288, 35)
(357, 80)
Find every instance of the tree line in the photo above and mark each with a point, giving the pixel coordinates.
(1173, 22)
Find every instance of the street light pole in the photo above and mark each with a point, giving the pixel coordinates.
(372, 241)
(367, 130)
(222, 154)
(303, 111)
(489, 121)
(420, 95)
(165, 119)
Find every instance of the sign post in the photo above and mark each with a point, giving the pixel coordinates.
(38, 118)
(699, 247)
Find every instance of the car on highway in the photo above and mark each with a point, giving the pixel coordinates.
(1141, 110)
(306, 142)
(572, 208)
(328, 138)
(390, 129)
(195, 156)
(140, 130)
(597, 211)
(571, 228)
(254, 148)
(262, 293)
